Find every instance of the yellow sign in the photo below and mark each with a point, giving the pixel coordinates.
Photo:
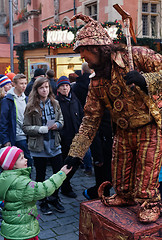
(8, 69)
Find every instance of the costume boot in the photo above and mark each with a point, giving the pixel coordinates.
(114, 200)
(149, 212)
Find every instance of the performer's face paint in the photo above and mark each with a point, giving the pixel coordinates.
(92, 58)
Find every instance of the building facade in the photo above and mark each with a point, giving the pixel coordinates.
(30, 17)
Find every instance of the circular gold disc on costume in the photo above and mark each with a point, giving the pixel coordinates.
(118, 105)
(115, 90)
(122, 122)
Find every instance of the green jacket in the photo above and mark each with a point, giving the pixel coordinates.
(20, 193)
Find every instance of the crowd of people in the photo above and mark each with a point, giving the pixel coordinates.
(43, 122)
(38, 123)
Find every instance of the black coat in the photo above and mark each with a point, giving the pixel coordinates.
(72, 113)
(29, 87)
(80, 88)
(53, 85)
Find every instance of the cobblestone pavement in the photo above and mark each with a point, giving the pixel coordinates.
(65, 226)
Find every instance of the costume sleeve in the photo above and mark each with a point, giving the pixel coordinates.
(150, 63)
(39, 190)
(152, 67)
(93, 112)
(154, 83)
(147, 60)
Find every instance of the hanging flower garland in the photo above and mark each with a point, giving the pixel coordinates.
(116, 29)
(57, 27)
(120, 38)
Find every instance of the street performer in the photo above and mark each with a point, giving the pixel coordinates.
(137, 148)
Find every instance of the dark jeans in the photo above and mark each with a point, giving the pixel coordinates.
(102, 173)
(24, 146)
(66, 186)
(40, 164)
(87, 160)
(101, 150)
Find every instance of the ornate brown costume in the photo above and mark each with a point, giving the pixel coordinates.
(137, 149)
(129, 108)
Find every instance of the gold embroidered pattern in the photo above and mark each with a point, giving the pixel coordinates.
(122, 122)
(115, 90)
(118, 105)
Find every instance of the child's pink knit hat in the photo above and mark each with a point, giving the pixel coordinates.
(8, 157)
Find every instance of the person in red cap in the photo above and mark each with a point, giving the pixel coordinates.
(137, 146)
(10, 75)
(20, 193)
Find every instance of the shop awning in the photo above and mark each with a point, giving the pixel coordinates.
(70, 55)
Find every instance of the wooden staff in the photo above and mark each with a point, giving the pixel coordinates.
(128, 23)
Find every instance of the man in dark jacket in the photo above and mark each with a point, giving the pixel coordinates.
(50, 75)
(39, 72)
(80, 88)
(101, 147)
(72, 113)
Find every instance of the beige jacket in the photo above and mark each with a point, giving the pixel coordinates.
(32, 124)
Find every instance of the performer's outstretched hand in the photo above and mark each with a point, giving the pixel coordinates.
(136, 78)
(72, 161)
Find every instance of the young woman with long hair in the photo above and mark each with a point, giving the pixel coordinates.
(42, 121)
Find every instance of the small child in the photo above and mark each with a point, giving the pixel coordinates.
(20, 193)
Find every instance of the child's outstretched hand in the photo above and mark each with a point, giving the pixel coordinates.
(65, 169)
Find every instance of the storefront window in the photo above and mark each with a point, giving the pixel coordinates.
(34, 64)
(63, 62)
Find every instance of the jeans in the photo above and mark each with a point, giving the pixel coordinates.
(87, 160)
(40, 164)
(66, 186)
